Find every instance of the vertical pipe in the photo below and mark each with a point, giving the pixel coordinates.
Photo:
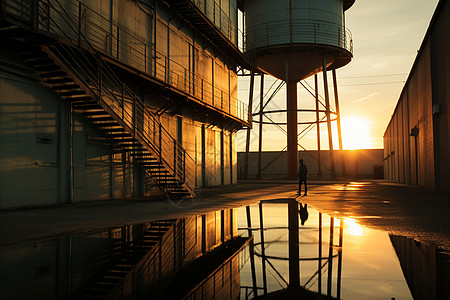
(263, 250)
(327, 108)
(319, 162)
(330, 258)
(338, 120)
(292, 142)
(339, 275)
(252, 251)
(247, 141)
(319, 274)
(261, 106)
(294, 268)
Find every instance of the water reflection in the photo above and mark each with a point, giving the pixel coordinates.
(326, 258)
(144, 261)
(284, 249)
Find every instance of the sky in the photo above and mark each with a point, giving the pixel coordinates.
(386, 37)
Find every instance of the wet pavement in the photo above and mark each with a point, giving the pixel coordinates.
(403, 210)
(345, 240)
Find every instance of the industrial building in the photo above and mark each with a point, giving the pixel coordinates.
(117, 99)
(417, 138)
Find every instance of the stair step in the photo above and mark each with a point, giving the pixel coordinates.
(84, 102)
(103, 118)
(109, 129)
(46, 68)
(65, 86)
(72, 92)
(122, 133)
(77, 97)
(105, 124)
(59, 80)
(52, 74)
(97, 112)
(36, 60)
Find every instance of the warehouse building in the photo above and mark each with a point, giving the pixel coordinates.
(113, 99)
(417, 139)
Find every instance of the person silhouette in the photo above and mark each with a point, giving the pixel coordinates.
(302, 174)
(303, 212)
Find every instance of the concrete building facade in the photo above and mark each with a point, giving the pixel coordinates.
(112, 99)
(417, 138)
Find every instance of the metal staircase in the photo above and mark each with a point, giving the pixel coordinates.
(77, 72)
(112, 282)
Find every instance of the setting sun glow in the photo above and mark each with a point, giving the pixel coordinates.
(355, 133)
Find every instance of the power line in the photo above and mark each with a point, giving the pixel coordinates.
(375, 83)
(381, 75)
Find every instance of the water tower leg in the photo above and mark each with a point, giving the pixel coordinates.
(319, 162)
(247, 141)
(292, 124)
(327, 110)
(261, 116)
(338, 119)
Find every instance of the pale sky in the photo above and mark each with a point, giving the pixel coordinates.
(386, 36)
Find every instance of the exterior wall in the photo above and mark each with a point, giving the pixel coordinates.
(51, 155)
(358, 163)
(440, 64)
(416, 141)
(42, 139)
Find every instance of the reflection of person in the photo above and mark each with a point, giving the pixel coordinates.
(303, 212)
(302, 174)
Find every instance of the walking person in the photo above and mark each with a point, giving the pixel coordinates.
(302, 174)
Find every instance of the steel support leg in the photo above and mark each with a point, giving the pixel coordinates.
(319, 162)
(338, 119)
(327, 109)
(292, 124)
(247, 141)
(261, 117)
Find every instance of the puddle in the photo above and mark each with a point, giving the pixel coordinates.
(335, 257)
(219, 256)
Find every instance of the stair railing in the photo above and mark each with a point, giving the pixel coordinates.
(95, 74)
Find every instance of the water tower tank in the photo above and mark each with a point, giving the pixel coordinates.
(288, 38)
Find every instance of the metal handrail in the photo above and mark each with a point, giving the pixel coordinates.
(101, 81)
(136, 52)
(221, 20)
(301, 32)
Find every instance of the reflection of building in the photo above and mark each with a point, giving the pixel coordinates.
(416, 140)
(365, 164)
(426, 270)
(134, 261)
(110, 99)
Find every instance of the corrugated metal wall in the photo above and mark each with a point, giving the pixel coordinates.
(416, 141)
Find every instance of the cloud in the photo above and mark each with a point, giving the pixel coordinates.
(367, 97)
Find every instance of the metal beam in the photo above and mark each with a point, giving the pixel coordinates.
(327, 104)
(247, 141)
(316, 89)
(338, 120)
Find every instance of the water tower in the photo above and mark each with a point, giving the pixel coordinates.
(295, 39)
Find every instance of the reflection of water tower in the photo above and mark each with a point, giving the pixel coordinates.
(292, 40)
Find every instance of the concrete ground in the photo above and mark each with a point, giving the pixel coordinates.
(403, 210)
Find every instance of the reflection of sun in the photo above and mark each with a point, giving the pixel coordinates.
(353, 227)
(355, 133)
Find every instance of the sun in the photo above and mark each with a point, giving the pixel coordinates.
(355, 133)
